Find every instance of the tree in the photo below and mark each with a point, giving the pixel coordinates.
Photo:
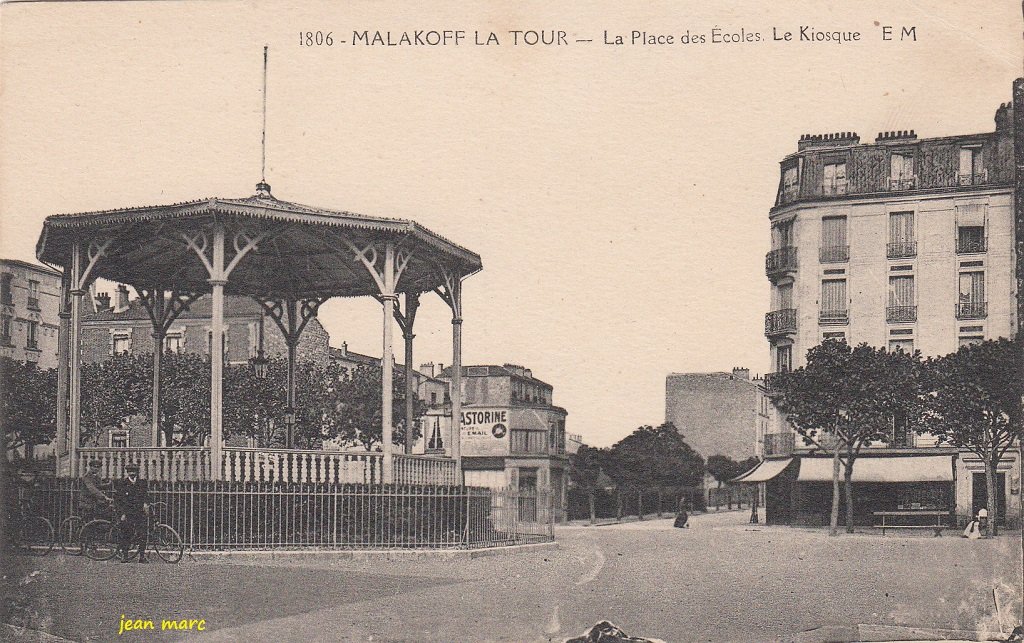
(113, 391)
(359, 407)
(723, 468)
(847, 397)
(974, 403)
(584, 473)
(28, 404)
(654, 458)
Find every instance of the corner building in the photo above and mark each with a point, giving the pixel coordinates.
(903, 242)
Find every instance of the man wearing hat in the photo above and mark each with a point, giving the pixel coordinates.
(131, 497)
(95, 500)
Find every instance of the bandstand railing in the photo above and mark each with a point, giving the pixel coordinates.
(172, 464)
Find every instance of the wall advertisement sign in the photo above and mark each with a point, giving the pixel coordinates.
(485, 431)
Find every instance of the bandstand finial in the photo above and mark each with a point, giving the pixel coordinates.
(263, 188)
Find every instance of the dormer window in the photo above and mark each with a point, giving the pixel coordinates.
(834, 179)
(790, 183)
(972, 171)
(901, 172)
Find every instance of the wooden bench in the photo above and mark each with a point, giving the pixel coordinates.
(937, 526)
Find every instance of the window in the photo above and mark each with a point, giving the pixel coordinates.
(785, 297)
(971, 170)
(433, 398)
(901, 235)
(901, 436)
(5, 329)
(173, 342)
(834, 179)
(33, 295)
(833, 301)
(120, 344)
(904, 344)
(790, 183)
(902, 307)
(970, 340)
(119, 439)
(524, 441)
(834, 246)
(32, 334)
(901, 172)
(6, 294)
(972, 296)
(783, 359)
(970, 239)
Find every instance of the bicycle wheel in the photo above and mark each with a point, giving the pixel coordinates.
(99, 540)
(167, 543)
(69, 535)
(36, 536)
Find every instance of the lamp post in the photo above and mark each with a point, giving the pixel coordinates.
(260, 362)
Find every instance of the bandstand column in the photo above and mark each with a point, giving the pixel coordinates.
(62, 371)
(456, 392)
(75, 361)
(387, 360)
(217, 283)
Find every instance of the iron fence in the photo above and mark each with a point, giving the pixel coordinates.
(274, 515)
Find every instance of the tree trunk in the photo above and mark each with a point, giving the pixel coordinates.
(990, 486)
(659, 502)
(593, 507)
(639, 505)
(753, 508)
(618, 506)
(834, 524)
(848, 484)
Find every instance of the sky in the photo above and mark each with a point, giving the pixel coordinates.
(618, 195)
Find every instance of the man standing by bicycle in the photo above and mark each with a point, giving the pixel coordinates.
(131, 498)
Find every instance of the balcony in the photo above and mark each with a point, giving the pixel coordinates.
(33, 303)
(898, 185)
(834, 316)
(772, 382)
(780, 322)
(834, 189)
(900, 314)
(971, 245)
(972, 310)
(834, 254)
(901, 249)
(779, 444)
(976, 178)
(779, 261)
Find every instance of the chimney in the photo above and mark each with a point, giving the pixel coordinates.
(835, 139)
(741, 373)
(897, 136)
(427, 369)
(1004, 117)
(121, 303)
(528, 372)
(344, 349)
(102, 301)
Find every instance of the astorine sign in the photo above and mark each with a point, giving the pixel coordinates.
(485, 431)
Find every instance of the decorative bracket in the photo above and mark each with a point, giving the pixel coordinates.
(408, 318)
(451, 292)
(162, 311)
(97, 249)
(291, 315)
(242, 242)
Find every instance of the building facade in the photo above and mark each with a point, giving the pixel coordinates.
(904, 243)
(718, 413)
(512, 433)
(29, 308)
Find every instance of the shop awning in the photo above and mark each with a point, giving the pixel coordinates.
(764, 471)
(916, 468)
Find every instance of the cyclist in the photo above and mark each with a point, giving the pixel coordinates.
(131, 498)
(95, 501)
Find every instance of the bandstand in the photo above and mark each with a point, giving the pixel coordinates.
(291, 258)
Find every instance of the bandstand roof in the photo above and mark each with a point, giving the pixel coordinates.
(305, 252)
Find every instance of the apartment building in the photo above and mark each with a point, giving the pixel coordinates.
(29, 312)
(902, 242)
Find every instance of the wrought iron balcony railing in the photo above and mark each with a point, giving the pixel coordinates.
(33, 303)
(908, 183)
(898, 314)
(779, 443)
(780, 322)
(834, 254)
(780, 260)
(972, 310)
(834, 189)
(790, 193)
(901, 249)
(835, 316)
(967, 246)
(772, 383)
(976, 178)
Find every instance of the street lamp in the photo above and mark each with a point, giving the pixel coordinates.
(260, 362)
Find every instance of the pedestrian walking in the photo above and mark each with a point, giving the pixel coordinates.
(131, 497)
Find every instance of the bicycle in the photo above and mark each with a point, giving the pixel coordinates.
(69, 533)
(101, 538)
(34, 535)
